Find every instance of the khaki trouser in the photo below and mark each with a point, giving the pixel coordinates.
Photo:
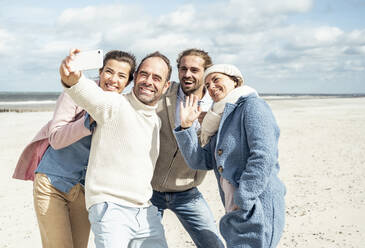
(62, 217)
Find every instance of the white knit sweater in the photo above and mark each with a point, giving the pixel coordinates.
(124, 148)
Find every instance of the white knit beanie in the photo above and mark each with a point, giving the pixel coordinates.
(227, 69)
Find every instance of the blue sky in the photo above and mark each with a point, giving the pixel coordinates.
(281, 46)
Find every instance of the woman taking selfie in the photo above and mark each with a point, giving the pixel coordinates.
(239, 140)
(57, 159)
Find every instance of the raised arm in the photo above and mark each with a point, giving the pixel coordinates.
(66, 126)
(196, 157)
(68, 76)
(85, 93)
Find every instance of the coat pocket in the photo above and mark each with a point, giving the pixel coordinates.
(244, 227)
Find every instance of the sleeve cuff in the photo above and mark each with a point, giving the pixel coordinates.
(179, 128)
(87, 124)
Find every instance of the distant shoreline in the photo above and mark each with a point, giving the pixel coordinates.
(270, 97)
(35, 105)
(20, 108)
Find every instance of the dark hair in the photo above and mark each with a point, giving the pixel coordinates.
(121, 57)
(195, 52)
(161, 56)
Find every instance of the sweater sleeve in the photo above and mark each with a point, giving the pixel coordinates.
(197, 157)
(262, 138)
(98, 103)
(64, 129)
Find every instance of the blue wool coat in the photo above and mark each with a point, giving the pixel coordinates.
(245, 152)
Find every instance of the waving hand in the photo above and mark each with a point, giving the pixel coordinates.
(189, 111)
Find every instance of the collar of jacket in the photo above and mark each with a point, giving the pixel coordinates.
(229, 108)
(245, 98)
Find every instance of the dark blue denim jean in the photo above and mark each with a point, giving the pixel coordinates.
(194, 214)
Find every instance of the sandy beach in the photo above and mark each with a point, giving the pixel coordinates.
(322, 158)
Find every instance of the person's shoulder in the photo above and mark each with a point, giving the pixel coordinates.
(64, 101)
(127, 97)
(170, 93)
(256, 106)
(248, 99)
(250, 103)
(251, 100)
(172, 90)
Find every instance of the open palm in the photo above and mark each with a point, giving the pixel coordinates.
(189, 111)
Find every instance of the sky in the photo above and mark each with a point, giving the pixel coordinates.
(280, 46)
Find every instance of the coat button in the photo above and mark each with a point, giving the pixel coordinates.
(220, 151)
(220, 169)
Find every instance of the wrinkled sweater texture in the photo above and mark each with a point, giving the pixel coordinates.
(124, 148)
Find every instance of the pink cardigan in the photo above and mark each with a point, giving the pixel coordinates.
(65, 128)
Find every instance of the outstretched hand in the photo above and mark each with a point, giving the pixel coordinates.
(189, 111)
(69, 76)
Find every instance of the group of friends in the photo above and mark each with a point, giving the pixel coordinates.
(114, 162)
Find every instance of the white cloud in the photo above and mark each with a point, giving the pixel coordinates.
(284, 6)
(168, 42)
(298, 37)
(102, 16)
(260, 8)
(355, 50)
(250, 34)
(184, 16)
(254, 35)
(327, 35)
(356, 37)
(62, 46)
(6, 40)
(354, 65)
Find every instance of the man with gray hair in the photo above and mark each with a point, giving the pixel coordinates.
(124, 150)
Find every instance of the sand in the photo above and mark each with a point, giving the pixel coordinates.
(322, 158)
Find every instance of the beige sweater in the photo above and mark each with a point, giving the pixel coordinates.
(124, 148)
(172, 174)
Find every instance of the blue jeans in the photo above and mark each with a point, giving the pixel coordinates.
(117, 226)
(194, 214)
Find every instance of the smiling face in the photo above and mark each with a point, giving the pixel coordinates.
(151, 80)
(191, 71)
(114, 76)
(219, 85)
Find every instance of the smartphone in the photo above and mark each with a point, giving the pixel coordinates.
(87, 60)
